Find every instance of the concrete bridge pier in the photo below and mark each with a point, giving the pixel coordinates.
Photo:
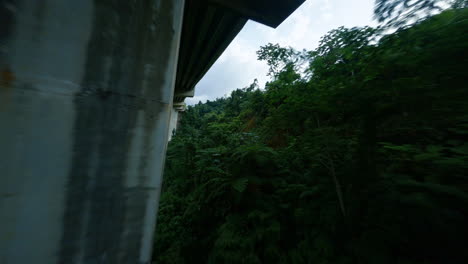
(86, 91)
(90, 91)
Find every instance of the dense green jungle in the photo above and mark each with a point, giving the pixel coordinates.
(355, 152)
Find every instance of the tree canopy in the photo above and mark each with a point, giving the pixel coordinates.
(355, 152)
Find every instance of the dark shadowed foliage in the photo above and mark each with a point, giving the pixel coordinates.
(356, 152)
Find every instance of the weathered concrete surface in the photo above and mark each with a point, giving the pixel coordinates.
(86, 92)
(174, 119)
(173, 122)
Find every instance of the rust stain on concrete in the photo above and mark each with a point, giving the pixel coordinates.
(7, 77)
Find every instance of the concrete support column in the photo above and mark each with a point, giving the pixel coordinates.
(173, 122)
(174, 119)
(86, 90)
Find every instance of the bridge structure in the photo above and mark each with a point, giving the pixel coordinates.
(88, 89)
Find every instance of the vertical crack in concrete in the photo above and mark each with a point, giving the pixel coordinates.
(102, 126)
(103, 219)
(7, 15)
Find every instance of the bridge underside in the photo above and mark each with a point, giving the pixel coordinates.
(86, 94)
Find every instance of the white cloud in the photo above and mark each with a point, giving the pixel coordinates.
(196, 99)
(327, 16)
(238, 66)
(325, 5)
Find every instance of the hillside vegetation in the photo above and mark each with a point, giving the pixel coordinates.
(356, 152)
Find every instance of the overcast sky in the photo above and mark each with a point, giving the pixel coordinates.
(238, 66)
